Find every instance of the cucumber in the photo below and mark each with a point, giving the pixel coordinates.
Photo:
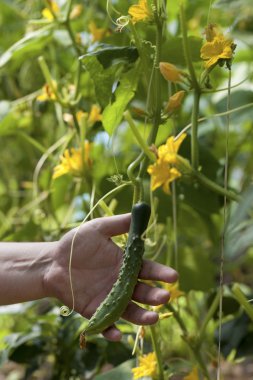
(111, 309)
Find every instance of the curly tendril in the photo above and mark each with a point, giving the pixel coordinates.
(65, 311)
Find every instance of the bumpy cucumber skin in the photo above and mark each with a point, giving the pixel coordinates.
(111, 309)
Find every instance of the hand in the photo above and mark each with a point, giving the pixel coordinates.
(95, 266)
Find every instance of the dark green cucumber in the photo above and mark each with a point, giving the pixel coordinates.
(111, 309)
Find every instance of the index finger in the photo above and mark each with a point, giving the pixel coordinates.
(157, 272)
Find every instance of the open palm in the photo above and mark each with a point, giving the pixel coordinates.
(95, 266)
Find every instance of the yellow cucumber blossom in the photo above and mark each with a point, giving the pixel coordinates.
(147, 366)
(170, 72)
(212, 31)
(98, 34)
(92, 117)
(74, 161)
(168, 151)
(140, 12)
(47, 93)
(165, 169)
(193, 375)
(95, 114)
(217, 49)
(175, 101)
(162, 175)
(48, 13)
(174, 291)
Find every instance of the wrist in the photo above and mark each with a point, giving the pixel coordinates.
(55, 274)
(47, 279)
(23, 270)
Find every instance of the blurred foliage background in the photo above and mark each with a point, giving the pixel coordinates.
(34, 132)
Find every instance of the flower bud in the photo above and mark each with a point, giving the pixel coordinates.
(175, 101)
(170, 72)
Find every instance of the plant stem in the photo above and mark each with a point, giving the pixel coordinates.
(196, 92)
(136, 180)
(187, 54)
(215, 187)
(72, 37)
(240, 297)
(138, 136)
(208, 317)
(185, 129)
(157, 350)
(178, 319)
(69, 6)
(194, 130)
(141, 52)
(195, 349)
(156, 102)
(47, 75)
(32, 141)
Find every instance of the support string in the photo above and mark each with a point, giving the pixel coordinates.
(221, 285)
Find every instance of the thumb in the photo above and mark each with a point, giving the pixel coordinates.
(113, 225)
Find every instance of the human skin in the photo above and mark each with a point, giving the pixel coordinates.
(31, 271)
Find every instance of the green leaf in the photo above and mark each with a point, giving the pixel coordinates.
(125, 92)
(103, 66)
(29, 46)
(122, 372)
(233, 333)
(108, 55)
(103, 79)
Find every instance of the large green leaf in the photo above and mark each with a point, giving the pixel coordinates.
(108, 55)
(113, 113)
(233, 333)
(103, 78)
(104, 64)
(29, 46)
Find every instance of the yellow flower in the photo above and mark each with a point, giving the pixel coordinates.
(168, 152)
(92, 117)
(175, 101)
(193, 375)
(162, 175)
(173, 290)
(163, 172)
(47, 93)
(220, 48)
(212, 31)
(147, 366)
(49, 13)
(140, 12)
(98, 34)
(175, 293)
(170, 72)
(74, 161)
(95, 114)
